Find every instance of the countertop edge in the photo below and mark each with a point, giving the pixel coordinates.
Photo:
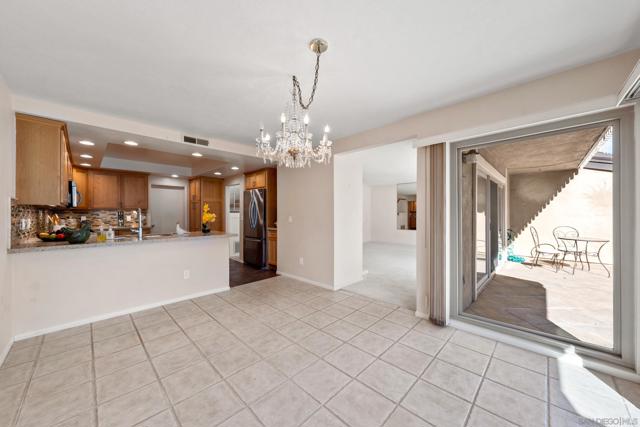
(45, 247)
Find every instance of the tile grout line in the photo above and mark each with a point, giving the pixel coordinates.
(418, 378)
(482, 378)
(95, 378)
(223, 379)
(164, 391)
(18, 414)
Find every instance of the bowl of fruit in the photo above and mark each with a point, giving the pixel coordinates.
(53, 236)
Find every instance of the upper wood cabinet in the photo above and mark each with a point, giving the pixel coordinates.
(104, 189)
(43, 162)
(110, 189)
(135, 189)
(257, 179)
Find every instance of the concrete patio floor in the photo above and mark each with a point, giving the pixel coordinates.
(578, 306)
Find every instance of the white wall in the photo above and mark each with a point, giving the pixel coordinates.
(384, 227)
(7, 166)
(348, 219)
(173, 182)
(366, 213)
(306, 197)
(76, 286)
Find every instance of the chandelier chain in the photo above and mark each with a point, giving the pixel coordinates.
(296, 86)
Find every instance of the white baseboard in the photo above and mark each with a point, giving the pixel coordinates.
(549, 351)
(94, 319)
(303, 279)
(5, 351)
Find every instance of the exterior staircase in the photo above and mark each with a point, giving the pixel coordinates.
(531, 193)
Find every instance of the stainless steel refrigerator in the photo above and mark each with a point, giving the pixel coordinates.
(255, 228)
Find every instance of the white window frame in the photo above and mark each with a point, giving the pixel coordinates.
(625, 215)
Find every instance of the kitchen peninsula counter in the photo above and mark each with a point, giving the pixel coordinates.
(36, 245)
(59, 285)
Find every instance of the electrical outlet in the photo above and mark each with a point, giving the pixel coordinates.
(301, 260)
(83, 218)
(187, 274)
(128, 218)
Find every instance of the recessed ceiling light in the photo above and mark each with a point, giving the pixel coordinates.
(87, 165)
(174, 176)
(235, 168)
(86, 156)
(86, 142)
(196, 154)
(217, 173)
(131, 143)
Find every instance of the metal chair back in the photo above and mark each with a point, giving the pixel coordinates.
(534, 236)
(566, 231)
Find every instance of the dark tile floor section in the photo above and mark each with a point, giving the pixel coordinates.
(241, 274)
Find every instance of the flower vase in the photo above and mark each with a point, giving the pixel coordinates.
(205, 228)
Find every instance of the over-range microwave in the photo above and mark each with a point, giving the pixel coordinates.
(74, 198)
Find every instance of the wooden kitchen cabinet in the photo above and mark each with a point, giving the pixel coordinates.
(134, 191)
(43, 162)
(257, 179)
(206, 190)
(104, 189)
(81, 178)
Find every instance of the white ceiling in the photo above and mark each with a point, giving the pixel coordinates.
(153, 155)
(220, 68)
(390, 164)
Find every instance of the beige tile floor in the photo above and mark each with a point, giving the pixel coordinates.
(283, 353)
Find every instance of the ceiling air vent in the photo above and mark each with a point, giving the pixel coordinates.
(631, 90)
(196, 141)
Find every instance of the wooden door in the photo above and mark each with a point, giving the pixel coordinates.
(81, 178)
(135, 191)
(104, 191)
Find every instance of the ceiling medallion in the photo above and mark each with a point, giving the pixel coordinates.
(294, 143)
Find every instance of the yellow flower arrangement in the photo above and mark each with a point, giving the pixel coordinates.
(207, 215)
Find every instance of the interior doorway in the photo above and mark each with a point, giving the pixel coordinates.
(375, 205)
(232, 198)
(167, 208)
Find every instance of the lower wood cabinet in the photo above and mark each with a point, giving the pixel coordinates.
(272, 248)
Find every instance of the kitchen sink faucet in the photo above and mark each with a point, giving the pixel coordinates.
(138, 214)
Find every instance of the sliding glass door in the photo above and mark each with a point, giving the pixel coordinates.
(537, 217)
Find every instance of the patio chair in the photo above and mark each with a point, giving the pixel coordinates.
(543, 249)
(568, 246)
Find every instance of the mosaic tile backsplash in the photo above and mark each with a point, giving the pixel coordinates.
(36, 219)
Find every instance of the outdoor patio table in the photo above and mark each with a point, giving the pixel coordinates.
(586, 241)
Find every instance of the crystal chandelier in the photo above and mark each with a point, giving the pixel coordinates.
(294, 143)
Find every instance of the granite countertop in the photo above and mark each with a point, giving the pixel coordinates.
(37, 245)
